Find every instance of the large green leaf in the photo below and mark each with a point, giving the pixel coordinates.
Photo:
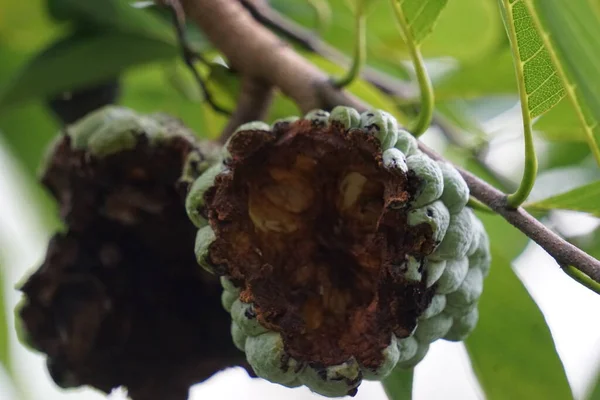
(595, 393)
(493, 75)
(561, 124)
(80, 60)
(474, 22)
(114, 15)
(570, 31)
(511, 349)
(542, 86)
(420, 16)
(585, 198)
(399, 384)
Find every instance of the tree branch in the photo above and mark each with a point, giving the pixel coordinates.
(305, 38)
(562, 251)
(256, 52)
(252, 104)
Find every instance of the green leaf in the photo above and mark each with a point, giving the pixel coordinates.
(511, 349)
(561, 124)
(584, 199)
(117, 15)
(420, 16)
(570, 32)
(542, 85)
(493, 75)
(399, 384)
(595, 394)
(79, 60)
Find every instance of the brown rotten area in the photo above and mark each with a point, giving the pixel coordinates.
(314, 230)
(119, 298)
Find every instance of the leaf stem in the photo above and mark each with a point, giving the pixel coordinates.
(360, 50)
(398, 385)
(427, 96)
(479, 206)
(531, 165)
(582, 278)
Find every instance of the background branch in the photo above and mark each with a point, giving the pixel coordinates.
(256, 52)
(252, 104)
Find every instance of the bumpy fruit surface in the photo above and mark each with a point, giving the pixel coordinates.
(119, 299)
(343, 250)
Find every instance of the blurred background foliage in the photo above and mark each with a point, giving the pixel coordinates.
(50, 49)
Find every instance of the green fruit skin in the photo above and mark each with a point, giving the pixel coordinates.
(454, 274)
(407, 349)
(204, 238)
(395, 161)
(431, 183)
(406, 143)
(336, 381)
(238, 336)
(382, 125)
(431, 329)
(227, 299)
(437, 305)
(456, 192)
(463, 326)
(420, 354)
(194, 201)
(266, 354)
(434, 270)
(319, 118)
(458, 237)
(243, 314)
(391, 354)
(435, 215)
(346, 116)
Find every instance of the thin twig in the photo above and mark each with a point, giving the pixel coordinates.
(189, 55)
(255, 51)
(252, 104)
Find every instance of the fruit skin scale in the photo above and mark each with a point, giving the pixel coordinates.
(449, 266)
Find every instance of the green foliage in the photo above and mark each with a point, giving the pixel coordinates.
(571, 30)
(420, 16)
(79, 60)
(583, 198)
(4, 333)
(399, 384)
(557, 58)
(511, 349)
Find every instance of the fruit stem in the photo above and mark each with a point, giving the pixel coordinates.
(517, 198)
(360, 50)
(427, 96)
(479, 206)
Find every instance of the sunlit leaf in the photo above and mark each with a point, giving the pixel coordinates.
(79, 60)
(420, 16)
(542, 85)
(584, 198)
(511, 349)
(571, 30)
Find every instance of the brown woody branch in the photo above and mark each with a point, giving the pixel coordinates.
(256, 52)
(252, 105)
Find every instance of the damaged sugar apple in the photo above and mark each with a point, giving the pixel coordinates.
(343, 250)
(119, 299)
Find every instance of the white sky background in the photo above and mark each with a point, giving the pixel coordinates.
(570, 309)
